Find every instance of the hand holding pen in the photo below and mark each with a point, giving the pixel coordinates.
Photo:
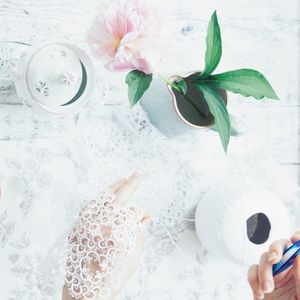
(277, 276)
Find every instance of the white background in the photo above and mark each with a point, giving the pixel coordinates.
(256, 34)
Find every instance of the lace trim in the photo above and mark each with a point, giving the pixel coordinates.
(101, 240)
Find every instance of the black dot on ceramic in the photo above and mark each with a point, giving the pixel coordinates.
(258, 228)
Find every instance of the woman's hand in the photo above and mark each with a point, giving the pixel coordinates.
(284, 286)
(105, 244)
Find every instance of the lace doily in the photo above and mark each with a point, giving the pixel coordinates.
(112, 142)
(100, 242)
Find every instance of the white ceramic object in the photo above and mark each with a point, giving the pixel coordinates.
(55, 77)
(226, 219)
(158, 104)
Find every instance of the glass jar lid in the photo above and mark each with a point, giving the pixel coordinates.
(58, 77)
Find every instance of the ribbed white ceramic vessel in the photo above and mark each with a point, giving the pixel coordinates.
(221, 221)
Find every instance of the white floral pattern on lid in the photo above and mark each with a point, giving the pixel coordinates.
(57, 77)
(69, 78)
(45, 71)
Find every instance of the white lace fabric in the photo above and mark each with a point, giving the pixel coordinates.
(103, 237)
(111, 143)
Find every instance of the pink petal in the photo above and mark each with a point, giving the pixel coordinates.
(116, 65)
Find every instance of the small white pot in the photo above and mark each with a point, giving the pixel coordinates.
(164, 109)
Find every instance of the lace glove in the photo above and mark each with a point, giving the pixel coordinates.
(105, 244)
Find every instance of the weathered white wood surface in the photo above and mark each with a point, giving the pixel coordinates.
(257, 34)
(263, 35)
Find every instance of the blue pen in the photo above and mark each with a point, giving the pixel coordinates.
(289, 256)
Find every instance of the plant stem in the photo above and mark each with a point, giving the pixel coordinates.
(170, 83)
(185, 96)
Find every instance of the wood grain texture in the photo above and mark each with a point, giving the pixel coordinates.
(257, 34)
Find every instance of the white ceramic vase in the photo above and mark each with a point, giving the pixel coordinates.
(159, 106)
(171, 113)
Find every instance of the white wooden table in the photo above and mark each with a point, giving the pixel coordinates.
(257, 34)
(264, 36)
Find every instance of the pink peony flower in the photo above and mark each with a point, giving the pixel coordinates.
(122, 34)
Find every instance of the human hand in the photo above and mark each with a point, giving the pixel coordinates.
(105, 244)
(285, 285)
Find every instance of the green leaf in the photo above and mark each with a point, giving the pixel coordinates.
(246, 82)
(213, 46)
(138, 82)
(218, 109)
(181, 85)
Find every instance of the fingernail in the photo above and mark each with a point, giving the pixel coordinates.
(268, 287)
(273, 255)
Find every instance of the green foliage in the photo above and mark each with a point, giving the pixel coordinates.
(246, 82)
(213, 46)
(181, 86)
(138, 82)
(218, 109)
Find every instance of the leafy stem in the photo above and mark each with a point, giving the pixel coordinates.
(246, 82)
(170, 83)
(174, 86)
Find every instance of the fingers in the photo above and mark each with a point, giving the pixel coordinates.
(113, 188)
(296, 237)
(65, 293)
(296, 267)
(276, 250)
(127, 188)
(260, 276)
(254, 282)
(265, 274)
(296, 273)
(134, 260)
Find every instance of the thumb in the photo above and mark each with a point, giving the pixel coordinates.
(296, 273)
